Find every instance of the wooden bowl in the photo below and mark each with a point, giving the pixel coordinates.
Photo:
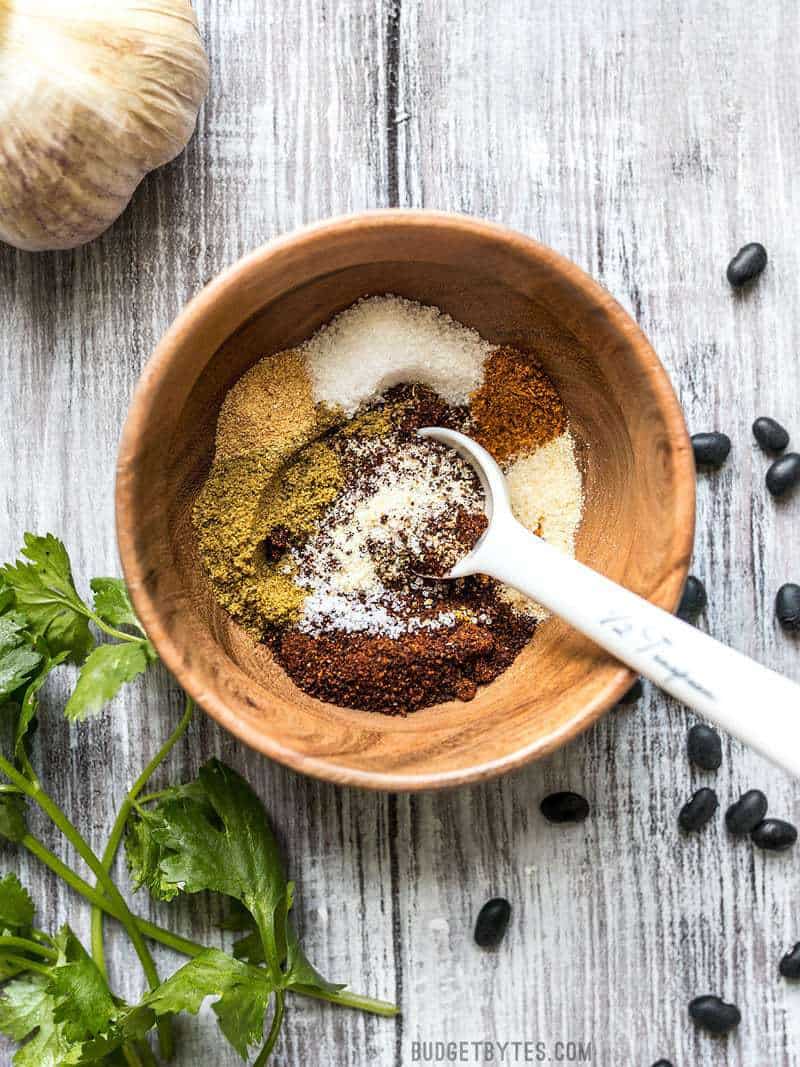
(639, 482)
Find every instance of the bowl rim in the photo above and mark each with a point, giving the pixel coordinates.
(134, 431)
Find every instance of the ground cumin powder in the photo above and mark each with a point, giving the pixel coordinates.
(271, 406)
(266, 464)
(516, 408)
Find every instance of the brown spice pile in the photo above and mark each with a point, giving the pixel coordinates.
(399, 675)
(444, 545)
(517, 408)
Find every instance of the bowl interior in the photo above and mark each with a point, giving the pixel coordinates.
(637, 525)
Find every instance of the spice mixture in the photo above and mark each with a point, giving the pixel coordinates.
(326, 522)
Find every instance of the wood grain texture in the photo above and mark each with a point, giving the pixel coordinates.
(647, 142)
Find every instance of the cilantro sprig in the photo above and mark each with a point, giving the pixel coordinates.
(208, 835)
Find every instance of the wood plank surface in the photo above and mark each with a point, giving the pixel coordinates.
(646, 141)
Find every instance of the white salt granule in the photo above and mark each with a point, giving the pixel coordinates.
(384, 340)
(546, 490)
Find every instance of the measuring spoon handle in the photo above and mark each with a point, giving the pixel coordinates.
(757, 705)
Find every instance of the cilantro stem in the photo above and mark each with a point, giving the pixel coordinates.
(26, 964)
(148, 798)
(346, 999)
(132, 1057)
(274, 1030)
(97, 899)
(183, 945)
(139, 1055)
(22, 943)
(35, 792)
(112, 631)
(118, 829)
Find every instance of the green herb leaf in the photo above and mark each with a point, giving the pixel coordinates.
(83, 1002)
(68, 1014)
(16, 906)
(18, 658)
(244, 993)
(113, 604)
(144, 854)
(13, 825)
(27, 1008)
(103, 674)
(301, 974)
(30, 700)
(229, 849)
(214, 835)
(6, 596)
(298, 972)
(45, 593)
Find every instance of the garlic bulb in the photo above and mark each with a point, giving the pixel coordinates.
(94, 94)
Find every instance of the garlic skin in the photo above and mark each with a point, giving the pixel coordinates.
(94, 94)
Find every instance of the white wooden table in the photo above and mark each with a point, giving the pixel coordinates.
(647, 141)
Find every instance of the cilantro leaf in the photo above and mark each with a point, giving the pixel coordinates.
(68, 1015)
(13, 826)
(83, 1002)
(214, 835)
(113, 604)
(103, 674)
(147, 830)
(6, 596)
(45, 593)
(30, 700)
(229, 849)
(301, 973)
(144, 854)
(298, 972)
(243, 991)
(16, 906)
(26, 1010)
(18, 658)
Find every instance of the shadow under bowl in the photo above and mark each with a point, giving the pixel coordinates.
(634, 450)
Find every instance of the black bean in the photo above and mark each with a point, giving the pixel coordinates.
(492, 922)
(704, 747)
(783, 474)
(787, 606)
(748, 811)
(790, 964)
(710, 449)
(774, 835)
(713, 1014)
(564, 807)
(633, 694)
(693, 599)
(770, 434)
(696, 812)
(747, 264)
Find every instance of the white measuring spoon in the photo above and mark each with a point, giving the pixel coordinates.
(755, 704)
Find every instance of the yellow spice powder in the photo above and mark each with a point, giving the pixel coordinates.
(270, 407)
(263, 476)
